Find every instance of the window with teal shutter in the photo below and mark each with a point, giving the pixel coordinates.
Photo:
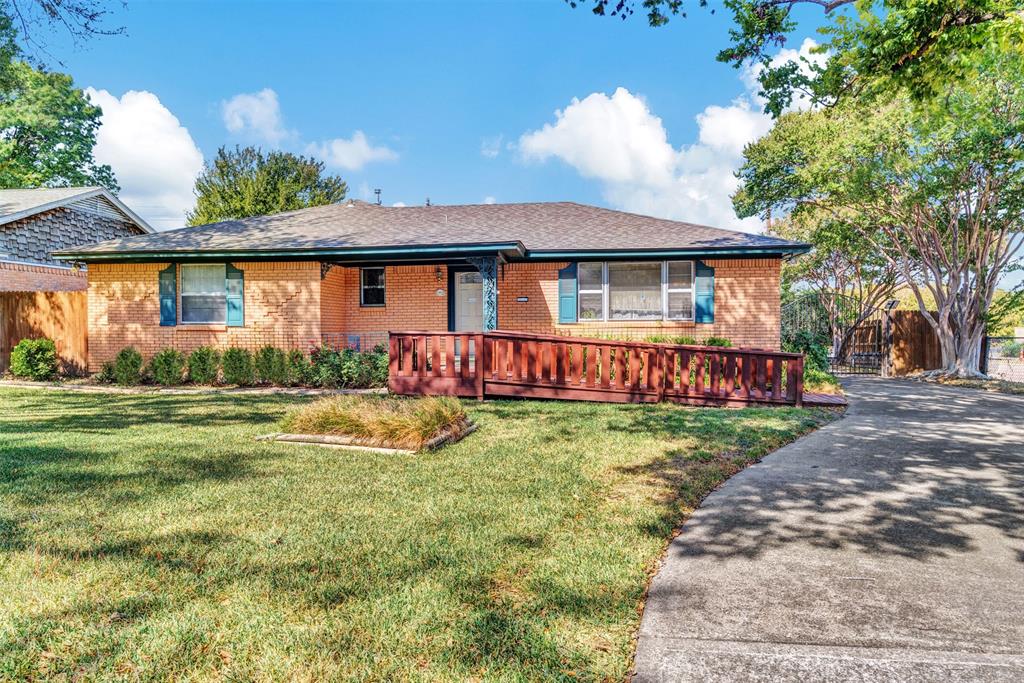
(704, 294)
(234, 289)
(567, 294)
(169, 296)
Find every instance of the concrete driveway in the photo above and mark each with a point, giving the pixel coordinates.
(888, 546)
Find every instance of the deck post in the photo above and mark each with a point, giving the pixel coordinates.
(800, 382)
(478, 377)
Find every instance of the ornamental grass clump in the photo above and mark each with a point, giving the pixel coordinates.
(392, 422)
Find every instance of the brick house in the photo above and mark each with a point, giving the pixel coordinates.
(345, 274)
(36, 222)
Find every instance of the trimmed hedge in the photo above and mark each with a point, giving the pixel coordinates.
(204, 365)
(271, 366)
(168, 367)
(324, 367)
(128, 367)
(238, 368)
(34, 359)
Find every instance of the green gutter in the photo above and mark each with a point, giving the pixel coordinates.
(661, 253)
(441, 250)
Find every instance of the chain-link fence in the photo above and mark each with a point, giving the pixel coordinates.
(1004, 358)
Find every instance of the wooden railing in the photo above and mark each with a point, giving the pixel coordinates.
(516, 364)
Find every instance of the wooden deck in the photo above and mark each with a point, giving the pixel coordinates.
(521, 365)
(816, 400)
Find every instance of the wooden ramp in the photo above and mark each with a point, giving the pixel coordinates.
(520, 365)
(815, 400)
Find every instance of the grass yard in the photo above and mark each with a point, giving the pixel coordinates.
(148, 537)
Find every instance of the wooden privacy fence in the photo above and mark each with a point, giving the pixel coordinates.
(60, 316)
(515, 364)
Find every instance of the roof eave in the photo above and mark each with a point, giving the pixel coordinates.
(766, 250)
(505, 249)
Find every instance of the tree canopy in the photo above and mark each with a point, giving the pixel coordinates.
(47, 125)
(247, 182)
(937, 189)
(915, 45)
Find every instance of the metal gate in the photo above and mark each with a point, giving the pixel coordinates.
(858, 340)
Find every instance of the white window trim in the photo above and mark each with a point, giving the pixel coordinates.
(181, 297)
(665, 289)
(383, 287)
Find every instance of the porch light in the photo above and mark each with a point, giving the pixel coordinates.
(437, 272)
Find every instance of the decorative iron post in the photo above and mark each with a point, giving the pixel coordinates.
(488, 267)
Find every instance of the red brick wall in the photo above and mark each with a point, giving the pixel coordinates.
(287, 305)
(746, 304)
(282, 308)
(411, 302)
(30, 277)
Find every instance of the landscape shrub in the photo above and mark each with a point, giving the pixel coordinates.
(811, 345)
(168, 367)
(128, 367)
(394, 422)
(1012, 349)
(34, 359)
(271, 366)
(237, 367)
(106, 374)
(300, 371)
(717, 341)
(820, 381)
(672, 339)
(203, 365)
(348, 368)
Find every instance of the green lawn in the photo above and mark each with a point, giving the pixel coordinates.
(150, 537)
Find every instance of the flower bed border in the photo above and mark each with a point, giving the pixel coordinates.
(355, 443)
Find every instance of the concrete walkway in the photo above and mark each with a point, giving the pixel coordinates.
(888, 546)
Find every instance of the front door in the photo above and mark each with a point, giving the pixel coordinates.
(468, 300)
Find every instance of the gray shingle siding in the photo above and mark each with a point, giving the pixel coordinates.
(32, 239)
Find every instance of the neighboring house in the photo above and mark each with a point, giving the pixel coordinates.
(348, 273)
(34, 223)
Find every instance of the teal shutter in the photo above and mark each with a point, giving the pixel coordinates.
(234, 288)
(567, 294)
(169, 296)
(704, 294)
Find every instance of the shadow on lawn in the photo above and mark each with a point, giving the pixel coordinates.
(94, 413)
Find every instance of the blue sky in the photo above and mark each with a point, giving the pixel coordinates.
(426, 99)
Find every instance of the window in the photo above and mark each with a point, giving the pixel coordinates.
(590, 283)
(203, 296)
(371, 286)
(648, 290)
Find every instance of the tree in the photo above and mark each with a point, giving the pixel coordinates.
(844, 271)
(47, 132)
(917, 45)
(81, 19)
(246, 182)
(937, 187)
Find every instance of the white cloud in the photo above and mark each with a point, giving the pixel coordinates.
(257, 115)
(153, 156)
(490, 200)
(398, 205)
(618, 141)
(491, 147)
(351, 154)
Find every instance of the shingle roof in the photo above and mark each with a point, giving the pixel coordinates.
(536, 229)
(21, 203)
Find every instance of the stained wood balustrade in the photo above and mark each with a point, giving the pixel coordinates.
(516, 364)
